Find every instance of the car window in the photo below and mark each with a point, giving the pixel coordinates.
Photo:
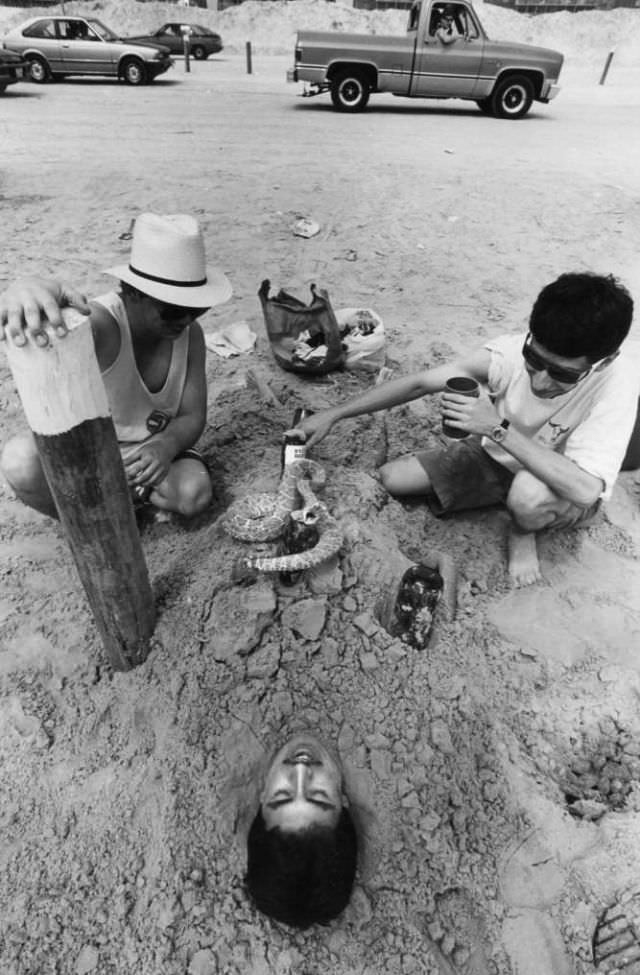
(414, 16)
(73, 30)
(43, 28)
(101, 30)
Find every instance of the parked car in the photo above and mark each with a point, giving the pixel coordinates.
(11, 69)
(56, 46)
(202, 40)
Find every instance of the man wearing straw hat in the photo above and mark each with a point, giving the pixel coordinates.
(151, 353)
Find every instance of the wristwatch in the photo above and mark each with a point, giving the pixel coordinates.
(499, 433)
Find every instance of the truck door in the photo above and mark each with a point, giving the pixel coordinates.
(449, 53)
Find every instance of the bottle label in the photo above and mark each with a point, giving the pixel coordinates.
(293, 452)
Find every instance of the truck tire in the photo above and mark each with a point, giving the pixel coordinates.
(38, 69)
(349, 92)
(512, 96)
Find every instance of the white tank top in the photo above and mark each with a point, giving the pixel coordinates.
(130, 400)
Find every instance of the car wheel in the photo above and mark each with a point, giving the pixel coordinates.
(349, 92)
(484, 104)
(512, 97)
(199, 52)
(3, 87)
(38, 70)
(134, 72)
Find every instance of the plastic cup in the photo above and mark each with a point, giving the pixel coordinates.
(463, 386)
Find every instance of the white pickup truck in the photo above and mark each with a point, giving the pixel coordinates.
(445, 53)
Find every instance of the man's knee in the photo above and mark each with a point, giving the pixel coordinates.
(20, 463)
(530, 502)
(195, 495)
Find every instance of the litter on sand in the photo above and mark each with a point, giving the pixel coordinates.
(231, 340)
(306, 228)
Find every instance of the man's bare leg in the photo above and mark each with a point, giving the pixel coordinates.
(523, 564)
(21, 467)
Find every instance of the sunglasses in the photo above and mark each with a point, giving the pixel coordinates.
(560, 374)
(175, 313)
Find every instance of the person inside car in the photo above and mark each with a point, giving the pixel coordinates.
(447, 31)
(548, 433)
(151, 353)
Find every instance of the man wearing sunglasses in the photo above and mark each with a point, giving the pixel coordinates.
(548, 433)
(151, 353)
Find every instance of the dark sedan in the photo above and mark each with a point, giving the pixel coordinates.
(203, 41)
(11, 69)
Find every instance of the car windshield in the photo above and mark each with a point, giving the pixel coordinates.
(103, 32)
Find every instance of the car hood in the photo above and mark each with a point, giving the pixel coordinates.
(9, 56)
(144, 42)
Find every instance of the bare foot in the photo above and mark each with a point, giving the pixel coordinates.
(524, 567)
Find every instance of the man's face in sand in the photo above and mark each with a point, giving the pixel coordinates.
(552, 375)
(303, 786)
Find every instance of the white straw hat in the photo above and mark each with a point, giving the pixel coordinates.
(168, 262)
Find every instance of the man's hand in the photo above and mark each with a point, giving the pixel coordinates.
(314, 427)
(473, 414)
(29, 305)
(150, 463)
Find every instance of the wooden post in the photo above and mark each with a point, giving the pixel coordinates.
(607, 65)
(186, 47)
(248, 49)
(65, 403)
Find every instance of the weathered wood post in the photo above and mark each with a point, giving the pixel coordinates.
(607, 65)
(186, 46)
(65, 403)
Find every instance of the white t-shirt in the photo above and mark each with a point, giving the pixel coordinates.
(590, 424)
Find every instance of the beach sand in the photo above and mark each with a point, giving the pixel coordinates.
(126, 796)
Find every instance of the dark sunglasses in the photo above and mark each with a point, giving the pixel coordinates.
(174, 313)
(560, 374)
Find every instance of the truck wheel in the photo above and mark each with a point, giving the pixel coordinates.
(349, 92)
(512, 97)
(38, 69)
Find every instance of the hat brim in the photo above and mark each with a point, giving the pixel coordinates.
(216, 291)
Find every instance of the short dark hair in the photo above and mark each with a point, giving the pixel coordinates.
(304, 877)
(582, 314)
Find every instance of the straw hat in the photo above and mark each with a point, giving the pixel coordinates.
(168, 262)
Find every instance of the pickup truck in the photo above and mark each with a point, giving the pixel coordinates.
(445, 53)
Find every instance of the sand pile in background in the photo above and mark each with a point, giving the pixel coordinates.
(584, 38)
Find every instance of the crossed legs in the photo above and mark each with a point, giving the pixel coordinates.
(186, 488)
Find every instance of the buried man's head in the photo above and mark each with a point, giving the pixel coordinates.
(302, 845)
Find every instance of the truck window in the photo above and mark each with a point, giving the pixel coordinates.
(414, 16)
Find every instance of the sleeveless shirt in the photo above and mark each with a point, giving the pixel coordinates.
(130, 400)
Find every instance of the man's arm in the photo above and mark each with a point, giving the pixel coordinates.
(398, 391)
(28, 305)
(150, 463)
(559, 473)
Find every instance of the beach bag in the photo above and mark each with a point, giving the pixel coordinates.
(362, 335)
(304, 338)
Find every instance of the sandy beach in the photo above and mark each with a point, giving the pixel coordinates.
(127, 795)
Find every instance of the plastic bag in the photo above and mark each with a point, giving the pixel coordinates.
(362, 334)
(304, 338)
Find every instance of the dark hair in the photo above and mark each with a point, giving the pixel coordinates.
(304, 877)
(582, 314)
